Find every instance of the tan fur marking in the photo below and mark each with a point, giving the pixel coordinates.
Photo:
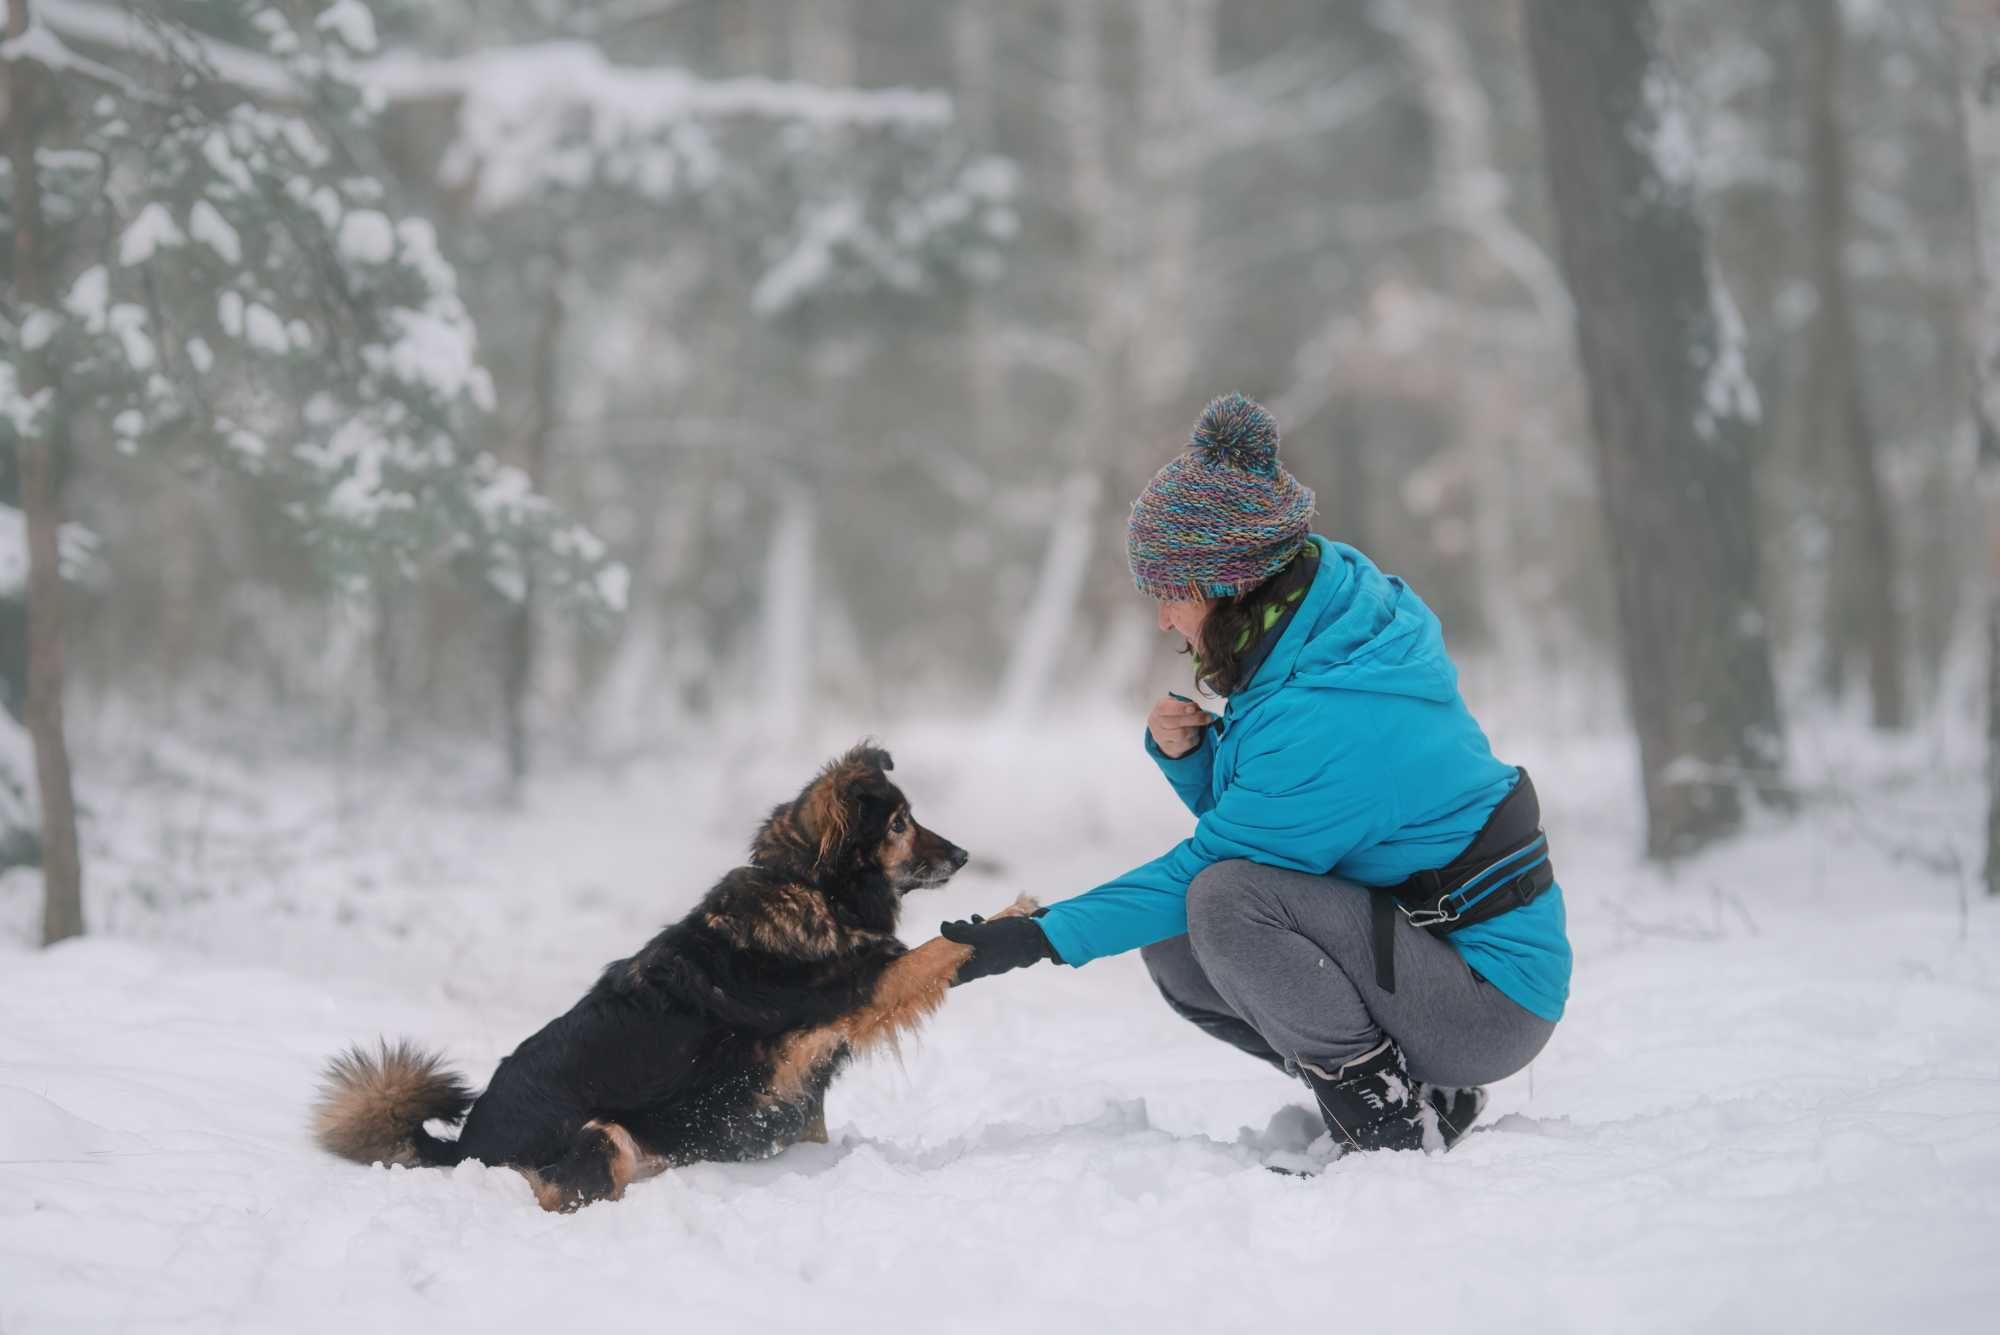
(628, 1164)
(625, 1155)
(895, 851)
(909, 990)
(815, 1132)
(547, 1194)
(827, 813)
(793, 920)
(800, 1057)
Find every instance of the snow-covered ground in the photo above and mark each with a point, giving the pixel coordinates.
(1774, 1105)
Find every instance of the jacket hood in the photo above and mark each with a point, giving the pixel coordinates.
(1357, 630)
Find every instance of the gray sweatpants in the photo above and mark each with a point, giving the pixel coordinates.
(1282, 964)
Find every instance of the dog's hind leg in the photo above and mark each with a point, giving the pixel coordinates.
(599, 1165)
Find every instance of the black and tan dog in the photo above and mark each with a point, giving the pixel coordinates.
(717, 1040)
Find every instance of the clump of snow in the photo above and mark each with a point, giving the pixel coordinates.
(367, 237)
(128, 324)
(613, 585)
(263, 330)
(147, 233)
(37, 328)
(1665, 132)
(76, 553)
(352, 22)
(435, 349)
(13, 547)
(222, 159)
(1728, 393)
(207, 225)
(89, 298)
(23, 413)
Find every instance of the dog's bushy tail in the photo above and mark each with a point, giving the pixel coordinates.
(373, 1105)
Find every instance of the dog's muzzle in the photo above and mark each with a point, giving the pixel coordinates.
(932, 874)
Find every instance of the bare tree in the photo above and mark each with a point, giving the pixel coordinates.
(1979, 48)
(28, 106)
(1861, 611)
(517, 670)
(1672, 409)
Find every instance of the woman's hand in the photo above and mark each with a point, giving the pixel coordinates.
(998, 945)
(1176, 725)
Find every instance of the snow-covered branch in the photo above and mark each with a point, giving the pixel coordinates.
(41, 45)
(122, 28)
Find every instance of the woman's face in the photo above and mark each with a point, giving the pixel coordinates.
(1184, 618)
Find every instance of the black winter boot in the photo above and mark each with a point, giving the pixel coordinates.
(1370, 1103)
(1454, 1110)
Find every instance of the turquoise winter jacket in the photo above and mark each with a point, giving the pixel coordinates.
(1349, 753)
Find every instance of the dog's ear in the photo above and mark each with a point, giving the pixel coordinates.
(829, 814)
(828, 806)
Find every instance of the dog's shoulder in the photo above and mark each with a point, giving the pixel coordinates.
(686, 969)
(787, 919)
(760, 952)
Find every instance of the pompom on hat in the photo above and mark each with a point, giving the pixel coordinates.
(1222, 517)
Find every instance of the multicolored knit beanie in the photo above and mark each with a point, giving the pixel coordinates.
(1224, 516)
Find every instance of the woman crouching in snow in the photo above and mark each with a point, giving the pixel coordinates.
(1366, 900)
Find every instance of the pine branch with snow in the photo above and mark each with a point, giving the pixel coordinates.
(239, 289)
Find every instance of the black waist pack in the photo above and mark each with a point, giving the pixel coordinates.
(1505, 866)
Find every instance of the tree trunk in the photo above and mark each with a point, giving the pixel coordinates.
(972, 57)
(13, 611)
(787, 634)
(518, 654)
(62, 873)
(1095, 207)
(1177, 53)
(822, 42)
(1045, 626)
(1673, 414)
(1861, 612)
(1979, 49)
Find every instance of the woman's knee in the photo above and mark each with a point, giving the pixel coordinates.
(1221, 899)
(1234, 903)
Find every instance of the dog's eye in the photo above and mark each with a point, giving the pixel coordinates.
(898, 825)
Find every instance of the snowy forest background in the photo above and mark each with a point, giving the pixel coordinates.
(852, 388)
(468, 459)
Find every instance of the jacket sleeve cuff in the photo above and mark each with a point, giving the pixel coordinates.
(1177, 766)
(1068, 949)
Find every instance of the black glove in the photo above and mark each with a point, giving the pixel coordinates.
(998, 944)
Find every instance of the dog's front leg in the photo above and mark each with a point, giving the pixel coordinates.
(914, 985)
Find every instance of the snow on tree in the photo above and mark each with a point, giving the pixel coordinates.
(569, 167)
(225, 281)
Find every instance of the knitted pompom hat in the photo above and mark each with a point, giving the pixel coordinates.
(1222, 517)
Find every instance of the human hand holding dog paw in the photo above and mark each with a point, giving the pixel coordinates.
(999, 943)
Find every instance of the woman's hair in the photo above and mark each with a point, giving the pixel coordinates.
(1232, 628)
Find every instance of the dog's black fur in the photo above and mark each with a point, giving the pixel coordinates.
(701, 1046)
